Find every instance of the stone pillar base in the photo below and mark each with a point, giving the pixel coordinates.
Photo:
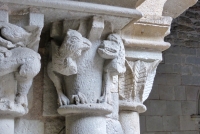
(85, 118)
(85, 124)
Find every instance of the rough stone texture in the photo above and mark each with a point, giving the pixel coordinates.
(175, 92)
(24, 126)
(165, 120)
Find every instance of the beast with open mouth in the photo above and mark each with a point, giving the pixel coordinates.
(108, 49)
(113, 51)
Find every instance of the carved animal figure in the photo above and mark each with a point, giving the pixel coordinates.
(16, 57)
(64, 63)
(113, 51)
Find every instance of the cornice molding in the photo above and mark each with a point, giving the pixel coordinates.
(81, 7)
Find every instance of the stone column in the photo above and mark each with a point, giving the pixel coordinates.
(19, 63)
(144, 43)
(87, 52)
(77, 68)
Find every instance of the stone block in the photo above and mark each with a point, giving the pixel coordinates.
(165, 68)
(154, 95)
(166, 92)
(186, 69)
(191, 43)
(173, 108)
(188, 107)
(171, 123)
(172, 58)
(196, 69)
(182, 35)
(175, 49)
(182, 20)
(154, 123)
(179, 42)
(156, 107)
(192, 92)
(186, 123)
(192, 60)
(194, 37)
(190, 80)
(179, 93)
(177, 68)
(195, 80)
(198, 52)
(168, 79)
(186, 80)
(23, 126)
(142, 124)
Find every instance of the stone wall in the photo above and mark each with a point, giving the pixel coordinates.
(170, 104)
(175, 92)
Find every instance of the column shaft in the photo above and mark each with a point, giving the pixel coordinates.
(130, 122)
(85, 124)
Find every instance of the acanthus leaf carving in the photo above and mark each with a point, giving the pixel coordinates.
(136, 84)
(149, 81)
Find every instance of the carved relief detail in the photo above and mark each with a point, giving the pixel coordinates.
(82, 69)
(136, 84)
(18, 56)
(64, 63)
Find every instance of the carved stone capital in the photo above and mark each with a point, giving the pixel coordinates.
(136, 84)
(19, 64)
(86, 54)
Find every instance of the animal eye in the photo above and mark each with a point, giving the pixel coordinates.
(74, 38)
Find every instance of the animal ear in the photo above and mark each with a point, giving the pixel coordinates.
(69, 32)
(86, 43)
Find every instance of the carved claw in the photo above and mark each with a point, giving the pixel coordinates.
(79, 98)
(62, 99)
(5, 52)
(21, 99)
(8, 53)
(10, 45)
(104, 99)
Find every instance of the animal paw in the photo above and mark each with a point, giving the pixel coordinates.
(80, 98)
(10, 45)
(62, 99)
(21, 99)
(104, 99)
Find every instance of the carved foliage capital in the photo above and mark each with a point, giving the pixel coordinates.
(136, 84)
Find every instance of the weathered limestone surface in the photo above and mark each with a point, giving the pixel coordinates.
(19, 64)
(99, 66)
